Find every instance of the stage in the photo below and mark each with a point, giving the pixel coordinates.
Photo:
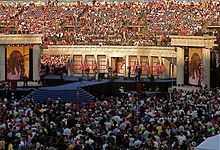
(53, 86)
(185, 88)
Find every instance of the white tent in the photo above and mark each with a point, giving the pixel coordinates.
(211, 143)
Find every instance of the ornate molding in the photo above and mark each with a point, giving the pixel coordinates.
(193, 41)
(20, 39)
(112, 51)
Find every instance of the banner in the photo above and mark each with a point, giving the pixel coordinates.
(17, 60)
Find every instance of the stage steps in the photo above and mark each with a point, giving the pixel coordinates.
(77, 96)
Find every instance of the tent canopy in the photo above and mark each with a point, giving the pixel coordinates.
(211, 143)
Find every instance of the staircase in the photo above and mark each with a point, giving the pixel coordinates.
(76, 96)
(72, 92)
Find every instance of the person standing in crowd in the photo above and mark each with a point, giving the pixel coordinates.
(110, 71)
(136, 73)
(87, 72)
(139, 74)
(25, 79)
(96, 71)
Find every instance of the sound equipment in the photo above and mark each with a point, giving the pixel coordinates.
(103, 76)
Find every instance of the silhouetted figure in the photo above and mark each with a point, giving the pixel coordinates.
(152, 77)
(25, 79)
(138, 74)
(61, 75)
(47, 69)
(87, 73)
(96, 71)
(129, 72)
(110, 71)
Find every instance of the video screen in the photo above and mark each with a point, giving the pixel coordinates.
(17, 58)
(195, 66)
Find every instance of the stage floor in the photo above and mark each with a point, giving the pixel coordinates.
(116, 79)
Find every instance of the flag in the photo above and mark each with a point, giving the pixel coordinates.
(158, 67)
(182, 33)
(135, 65)
(85, 65)
(81, 65)
(94, 64)
(164, 38)
(162, 68)
(147, 67)
(122, 63)
(107, 64)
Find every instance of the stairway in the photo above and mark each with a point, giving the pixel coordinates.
(76, 96)
(72, 92)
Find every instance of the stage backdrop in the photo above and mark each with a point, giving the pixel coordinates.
(17, 58)
(195, 66)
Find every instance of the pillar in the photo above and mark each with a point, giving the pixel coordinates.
(180, 66)
(2, 63)
(124, 67)
(70, 61)
(160, 60)
(127, 64)
(36, 62)
(96, 60)
(206, 67)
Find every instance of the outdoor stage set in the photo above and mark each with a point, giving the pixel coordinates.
(188, 59)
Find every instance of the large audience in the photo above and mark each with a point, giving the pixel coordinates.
(125, 121)
(108, 23)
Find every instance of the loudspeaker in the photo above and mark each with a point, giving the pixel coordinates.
(80, 79)
(102, 75)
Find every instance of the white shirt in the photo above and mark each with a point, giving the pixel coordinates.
(67, 132)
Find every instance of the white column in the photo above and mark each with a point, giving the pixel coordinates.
(36, 62)
(206, 67)
(2, 63)
(124, 67)
(109, 60)
(160, 59)
(180, 66)
(139, 59)
(127, 64)
(96, 59)
(69, 72)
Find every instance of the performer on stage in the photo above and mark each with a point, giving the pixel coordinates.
(25, 79)
(129, 72)
(87, 72)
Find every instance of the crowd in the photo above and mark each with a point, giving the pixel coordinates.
(126, 121)
(108, 23)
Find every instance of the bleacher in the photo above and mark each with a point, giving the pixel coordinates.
(91, 24)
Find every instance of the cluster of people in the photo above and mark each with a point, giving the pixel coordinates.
(54, 60)
(108, 23)
(53, 63)
(126, 121)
